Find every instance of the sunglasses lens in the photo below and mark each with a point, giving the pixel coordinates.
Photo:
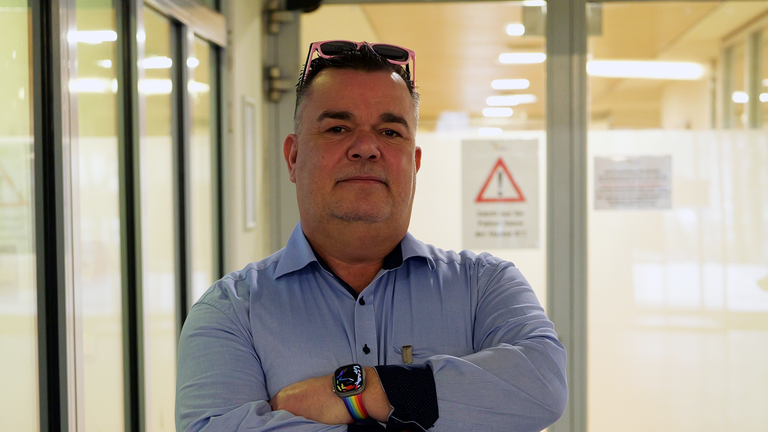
(391, 52)
(336, 47)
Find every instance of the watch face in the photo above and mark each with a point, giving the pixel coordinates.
(348, 379)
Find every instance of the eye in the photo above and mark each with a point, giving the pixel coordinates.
(391, 133)
(336, 129)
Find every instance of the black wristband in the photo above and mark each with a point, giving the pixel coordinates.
(411, 392)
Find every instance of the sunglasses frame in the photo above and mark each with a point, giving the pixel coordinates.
(315, 47)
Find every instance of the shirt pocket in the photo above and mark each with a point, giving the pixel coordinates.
(421, 354)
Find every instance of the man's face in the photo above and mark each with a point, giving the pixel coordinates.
(354, 158)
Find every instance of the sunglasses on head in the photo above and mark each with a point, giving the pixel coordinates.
(392, 53)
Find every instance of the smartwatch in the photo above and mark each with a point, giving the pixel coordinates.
(349, 384)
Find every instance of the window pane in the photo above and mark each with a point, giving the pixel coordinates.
(157, 226)
(739, 104)
(201, 160)
(19, 397)
(99, 267)
(764, 82)
(678, 227)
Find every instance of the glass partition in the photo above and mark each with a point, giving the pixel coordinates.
(678, 223)
(157, 224)
(202, 158)
(97, 222)
(764, 80)
(739, 95)
(19, 397)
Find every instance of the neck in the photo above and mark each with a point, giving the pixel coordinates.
(356, 255)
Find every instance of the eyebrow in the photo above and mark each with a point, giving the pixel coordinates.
(336, 115)
(346, 115)
(393, 118)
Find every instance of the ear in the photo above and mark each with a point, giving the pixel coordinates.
(290, 152)
(417, 158)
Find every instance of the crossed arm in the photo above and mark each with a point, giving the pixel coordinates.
(315, 400)
(514, 381)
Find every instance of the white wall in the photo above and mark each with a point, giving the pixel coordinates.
(244, 66)
(687, 105)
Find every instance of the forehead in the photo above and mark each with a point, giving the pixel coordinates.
(359, 92)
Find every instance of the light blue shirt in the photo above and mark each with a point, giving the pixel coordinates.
(496, 359)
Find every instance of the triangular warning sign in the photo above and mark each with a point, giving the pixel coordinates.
(9, 194)
(500, 186)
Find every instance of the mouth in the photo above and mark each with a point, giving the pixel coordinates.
(363, 179)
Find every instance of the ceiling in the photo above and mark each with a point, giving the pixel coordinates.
(458, 47)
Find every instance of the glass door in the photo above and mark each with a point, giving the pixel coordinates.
(98, 288)
(19, 394)
(158, 198)
(203, 160)
(678, 227)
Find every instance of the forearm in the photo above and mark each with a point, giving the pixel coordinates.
(374, 398)
(516, 379)
(220, 383)
(257, 417)
(519, 388)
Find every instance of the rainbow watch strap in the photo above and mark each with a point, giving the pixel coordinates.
(355, 406)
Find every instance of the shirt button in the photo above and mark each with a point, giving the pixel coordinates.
(362, 303)
(366, 349)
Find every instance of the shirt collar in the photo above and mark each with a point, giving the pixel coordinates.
(298, 253)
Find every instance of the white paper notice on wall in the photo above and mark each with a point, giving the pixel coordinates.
(500, 194)
(633, 183)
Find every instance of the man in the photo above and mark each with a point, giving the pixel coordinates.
(356, 325)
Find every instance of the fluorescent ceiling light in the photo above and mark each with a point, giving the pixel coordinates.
(106, 64)
(497, 112)
(510, 84)
(155, 86)
(534, 3)
(511, 100)
(515, 29)
(763, 97)
(192, 62)
(765, 82)
(92, 37)
(93, 85)
(198, 87)
(522, 58)
(740, 97)
(157, 63)
(489, 131)
(645, 69)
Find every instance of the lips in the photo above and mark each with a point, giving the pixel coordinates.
(363, 179)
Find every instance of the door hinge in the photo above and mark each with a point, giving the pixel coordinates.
(277, 16)
(277, 84)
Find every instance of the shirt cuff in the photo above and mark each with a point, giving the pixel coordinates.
(411, 392)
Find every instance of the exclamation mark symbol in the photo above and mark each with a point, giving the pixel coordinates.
(500, 184)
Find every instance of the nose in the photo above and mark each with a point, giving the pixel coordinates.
(364, 147)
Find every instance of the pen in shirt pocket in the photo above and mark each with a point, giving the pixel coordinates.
(407, 351)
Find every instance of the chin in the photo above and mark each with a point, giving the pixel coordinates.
(359, 218)
(367, 215)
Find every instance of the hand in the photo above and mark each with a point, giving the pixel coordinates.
(314, 400)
